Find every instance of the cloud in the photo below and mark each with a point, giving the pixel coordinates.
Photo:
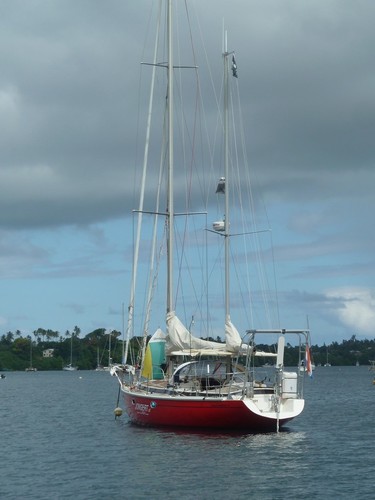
(354, 307)
(68, 96)
(72, 99)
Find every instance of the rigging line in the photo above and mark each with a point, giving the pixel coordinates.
(187, 260)
(244, 217)
(190, 32)
(205, 286)
(192, 140)
(211, 144)
(141, 199)
(152, 273)
(139, 87)
(202, 294)
(200, 108)
(189, 187)
(198, 95)
(275, 281)
(265, 285)
(185, 129)
(257, 243)
(153, 281)
(237, 117)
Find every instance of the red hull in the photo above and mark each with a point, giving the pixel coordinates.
(214, 414)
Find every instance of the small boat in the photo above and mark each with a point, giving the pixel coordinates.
(189, 381)
(70, 368)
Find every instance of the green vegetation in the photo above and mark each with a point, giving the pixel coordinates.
(18, 352)
(349, 352)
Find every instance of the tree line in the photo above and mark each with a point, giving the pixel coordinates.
(101, 347)
(18, 352)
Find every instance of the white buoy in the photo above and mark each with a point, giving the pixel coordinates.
(117, 411)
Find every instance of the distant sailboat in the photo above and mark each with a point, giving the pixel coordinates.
(31, 368)
(327, 363)
(70, 367)
(99, 366)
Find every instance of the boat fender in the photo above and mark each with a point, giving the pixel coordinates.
(117, 411)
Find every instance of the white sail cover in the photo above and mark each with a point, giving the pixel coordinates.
(179, 339)
(232, 337)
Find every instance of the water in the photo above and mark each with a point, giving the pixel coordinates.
(60, 440)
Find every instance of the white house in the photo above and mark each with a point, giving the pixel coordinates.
(48, 353)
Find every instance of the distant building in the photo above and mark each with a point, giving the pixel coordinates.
(48, 353)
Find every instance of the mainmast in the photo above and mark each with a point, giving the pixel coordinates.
(226, 172)
(170, 204)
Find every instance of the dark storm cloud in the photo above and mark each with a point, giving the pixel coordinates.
(68, 98)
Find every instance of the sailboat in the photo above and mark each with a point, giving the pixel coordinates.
(191, 382)
(70, 367)
(31, 368)
(99, 366)
(327, 363)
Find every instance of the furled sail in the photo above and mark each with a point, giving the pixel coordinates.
(232, 337)
(180, 339)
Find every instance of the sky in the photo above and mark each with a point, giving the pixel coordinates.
(69, 85)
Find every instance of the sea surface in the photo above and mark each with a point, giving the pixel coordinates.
(60, 440)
